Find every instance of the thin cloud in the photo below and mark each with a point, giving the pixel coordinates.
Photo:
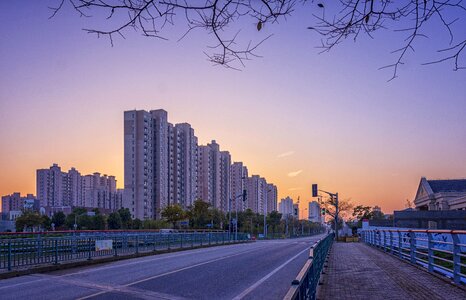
(285, 154)
(295, 173)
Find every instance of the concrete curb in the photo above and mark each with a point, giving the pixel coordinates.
(95, 261)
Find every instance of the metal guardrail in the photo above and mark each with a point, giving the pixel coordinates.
(305, 284)
(439, 251)
(43, 249)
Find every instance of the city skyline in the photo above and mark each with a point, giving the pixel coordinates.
(324, 124)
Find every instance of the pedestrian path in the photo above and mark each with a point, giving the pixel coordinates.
(358, 271)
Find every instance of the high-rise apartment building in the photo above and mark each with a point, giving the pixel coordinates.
(238, 177)
(15, 202)
(75, 188)
(139, 152)
(70, 189)
(165, 165)
(225, 163)
(286, 207)
(183, 165)
(161, 163)
(214, 175)
(51, 187)
(256, 187)
(11, 202)
(99, 191)
(272, 195)
(314, 212)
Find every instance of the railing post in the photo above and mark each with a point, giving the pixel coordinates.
(400, 245)
(193, 236)
(181, 240)
(9, 255)
(56, 251)
(115, 242)
(39, 248)
(209, 237)
(456, 258)
(137, 243)
(89, 255)
(430, 253)
(412, 246)
(168, 240)
(155, 241)
(384, 241)
(390, 236)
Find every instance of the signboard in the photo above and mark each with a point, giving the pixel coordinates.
(184, 223)
(29, 204)
(101, 245)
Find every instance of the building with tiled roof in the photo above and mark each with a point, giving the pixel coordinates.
(445, 194)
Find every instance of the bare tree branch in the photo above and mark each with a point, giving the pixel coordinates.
(346, 19)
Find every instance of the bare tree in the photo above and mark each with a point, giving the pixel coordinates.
(347, 19)
(409, 17)
(409, 203)
(150, 17)
(344, 207)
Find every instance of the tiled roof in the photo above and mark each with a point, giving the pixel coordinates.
(450, 185)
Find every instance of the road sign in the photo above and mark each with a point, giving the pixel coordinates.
(314, 190)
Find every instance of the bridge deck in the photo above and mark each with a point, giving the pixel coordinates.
(357, 271)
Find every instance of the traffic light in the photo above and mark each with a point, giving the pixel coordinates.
(314, 190)
(245, 196)
(323, 211)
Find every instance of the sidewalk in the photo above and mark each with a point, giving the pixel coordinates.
(357, 271)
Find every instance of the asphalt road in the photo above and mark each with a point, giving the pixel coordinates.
(260, 270)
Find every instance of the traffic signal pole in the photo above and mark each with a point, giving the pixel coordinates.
(335, 203)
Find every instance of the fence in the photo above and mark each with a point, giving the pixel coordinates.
(305, 285)
(40, 249)
(440, 251)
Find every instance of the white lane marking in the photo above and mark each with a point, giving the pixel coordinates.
(260, 281)
(21, 283)
(192, 266)
(175, 271)
(138, 293)
(160, 257)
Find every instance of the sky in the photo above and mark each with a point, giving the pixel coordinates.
(293, 116)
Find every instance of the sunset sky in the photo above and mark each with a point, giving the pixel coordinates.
(294, 116)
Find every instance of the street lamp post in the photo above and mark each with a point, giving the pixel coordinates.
(265, 222)
(229, 221)
(265, 214)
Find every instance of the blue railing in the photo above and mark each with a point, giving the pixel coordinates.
(18, 252)
(439, 251)
(305, 285)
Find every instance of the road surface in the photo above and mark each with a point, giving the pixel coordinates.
(260, 270)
